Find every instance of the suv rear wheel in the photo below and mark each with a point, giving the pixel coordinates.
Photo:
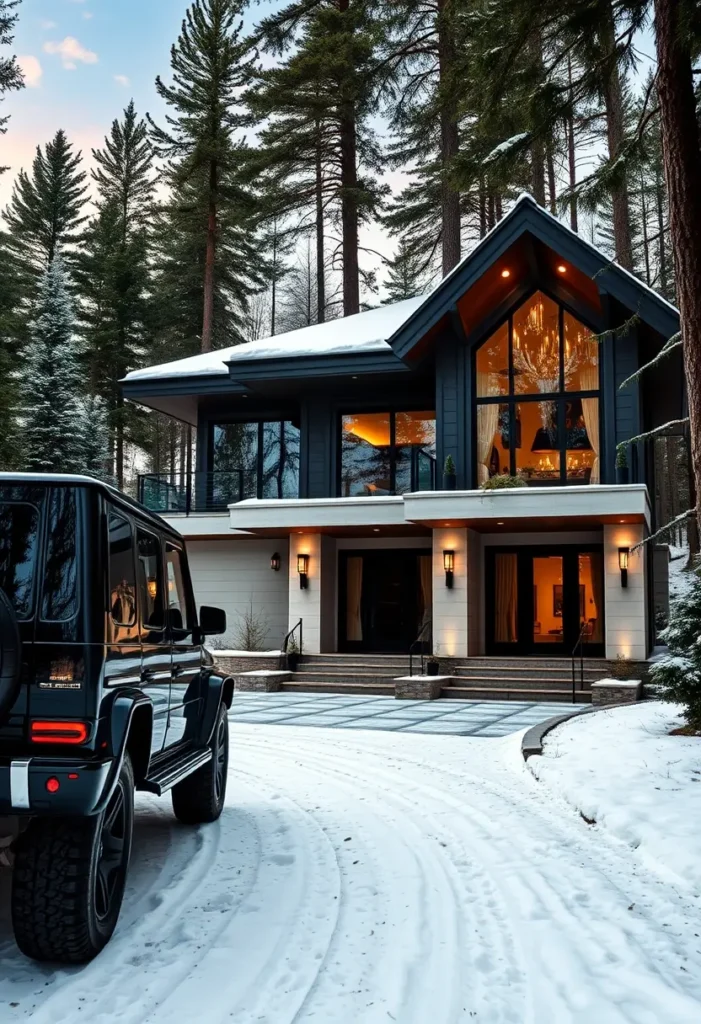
(69, 879)
(199, 798)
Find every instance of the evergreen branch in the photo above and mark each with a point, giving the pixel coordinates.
(664, 529)
(652, 433)
(674, 342)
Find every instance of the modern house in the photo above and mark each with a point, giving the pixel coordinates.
(320, 493)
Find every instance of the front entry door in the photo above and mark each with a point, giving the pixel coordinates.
(385, 597)
(540, 599)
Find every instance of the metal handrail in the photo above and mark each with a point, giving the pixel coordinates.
(579, 645)
(424, 632)
(286, 641)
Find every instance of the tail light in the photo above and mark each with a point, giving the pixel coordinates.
(59, 732)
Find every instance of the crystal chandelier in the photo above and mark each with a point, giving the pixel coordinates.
(539, 364)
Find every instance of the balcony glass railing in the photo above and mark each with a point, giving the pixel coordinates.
(195, 492)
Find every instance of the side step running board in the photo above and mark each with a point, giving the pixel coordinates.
(171, 774)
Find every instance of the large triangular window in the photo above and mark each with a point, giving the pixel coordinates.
(538, 398)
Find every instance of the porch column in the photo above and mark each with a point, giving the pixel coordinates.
(626, 607)
(450, 606)
(316, 605)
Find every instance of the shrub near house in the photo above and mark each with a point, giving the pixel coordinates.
(679, 673)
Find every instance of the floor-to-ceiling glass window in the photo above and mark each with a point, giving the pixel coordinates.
(255, 460)
(387, 453)
(537, 385)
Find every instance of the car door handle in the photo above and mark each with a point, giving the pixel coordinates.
(146, 675)
(176, 671)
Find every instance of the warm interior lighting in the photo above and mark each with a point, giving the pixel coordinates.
(152, 587)
(303, 570)
(623, 554)
(506, 273)
(275, 562)
(449, 566)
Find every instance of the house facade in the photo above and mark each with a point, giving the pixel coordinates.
(320, 489)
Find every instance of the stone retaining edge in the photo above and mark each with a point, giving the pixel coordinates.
(532, 742)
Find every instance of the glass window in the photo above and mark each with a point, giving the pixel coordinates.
(591, 596)
(150, 579)
(366, 460)
(19, 531)
(179, 607)
(235, 462)
(506, 598)
(493, 364)
(519, 432)
(548, 600)
(122, 576)
(415, 451)
(536, 347)
(60, 602)
(280, 460)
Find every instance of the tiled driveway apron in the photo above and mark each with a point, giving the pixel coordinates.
(451, 717)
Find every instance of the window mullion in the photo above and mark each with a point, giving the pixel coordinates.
(511, 403)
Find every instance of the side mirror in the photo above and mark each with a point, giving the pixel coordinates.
(177, 626)
(212, 621)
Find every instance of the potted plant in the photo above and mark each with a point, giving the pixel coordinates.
(621, 465)
(503, 482)
(293, 655)
(450, 478)
(433, 665)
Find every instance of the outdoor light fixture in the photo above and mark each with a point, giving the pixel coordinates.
(562, 269)
(623, 565)
(275, 562)
(303, 570)
(506, 273)
(449, 566)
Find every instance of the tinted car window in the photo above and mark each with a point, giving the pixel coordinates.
(150, 580)
(179, 607)
(19, 531)
(122, 577)
(60, 601)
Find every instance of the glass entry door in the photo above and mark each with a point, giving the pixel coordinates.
(540, 599)
(385, 598)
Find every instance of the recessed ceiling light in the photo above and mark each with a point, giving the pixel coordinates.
(562, 269)
(376, 529)
(354, 377)
(506, 273)
(500, 524)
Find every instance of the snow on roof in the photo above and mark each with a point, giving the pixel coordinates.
(363, 332)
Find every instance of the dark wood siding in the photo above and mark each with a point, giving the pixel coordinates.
(452, 401)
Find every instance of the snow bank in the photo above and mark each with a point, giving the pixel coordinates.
(622, 769)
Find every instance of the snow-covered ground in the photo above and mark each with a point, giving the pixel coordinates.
(367, 877)
(622, 769)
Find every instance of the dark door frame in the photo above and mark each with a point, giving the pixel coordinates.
(345, 646)
(526, 645)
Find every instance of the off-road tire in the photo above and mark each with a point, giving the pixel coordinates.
(199, 799)
(56, 897)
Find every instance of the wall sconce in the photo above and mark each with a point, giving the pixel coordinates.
(623, 565)
(275, 562)
(449, 566)
(303, 570)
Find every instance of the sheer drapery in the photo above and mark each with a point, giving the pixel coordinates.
(589, 381)
(354, 622)
(597, 585)
(506, 599)
(487, 423)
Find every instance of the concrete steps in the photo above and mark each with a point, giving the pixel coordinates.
(502, 693)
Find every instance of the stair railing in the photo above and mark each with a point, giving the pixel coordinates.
(421, 641)
(286, 642)
(579, 648)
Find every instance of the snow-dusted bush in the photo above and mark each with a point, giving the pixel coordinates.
(679, 672)
(252, 630)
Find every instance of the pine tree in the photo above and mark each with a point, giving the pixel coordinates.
(45, 215)
(211, 62)
(12, 332)
(113, 274)
(10, 75)
(406, 277)
(51, 383)
(93, 437)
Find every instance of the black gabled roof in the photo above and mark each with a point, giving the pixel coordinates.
(528, 218)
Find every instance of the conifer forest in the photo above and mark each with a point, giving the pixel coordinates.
(244, 210)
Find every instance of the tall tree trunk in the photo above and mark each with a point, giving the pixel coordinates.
(208, 317)
(450, 197)
(552, 185)
(273, 288)
(538, 158)
(615, 130)
(682, 163)
(491, 212)
(320, 257)
(572, 153)
(498, 207)
(661, 242)
(349, 201)
(643, 221)
(483, 207)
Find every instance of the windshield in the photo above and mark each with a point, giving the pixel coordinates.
(19, 531)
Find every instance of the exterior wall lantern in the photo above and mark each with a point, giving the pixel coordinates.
(449, 566)
(623, 565)
(303, 570)
(275, 562)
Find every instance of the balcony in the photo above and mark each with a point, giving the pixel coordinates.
(189, 493)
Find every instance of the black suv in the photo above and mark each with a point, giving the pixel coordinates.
(105, 687)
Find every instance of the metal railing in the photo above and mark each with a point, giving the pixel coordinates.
(422, 641)
(195, 492)
(579, 646)
(286, 641)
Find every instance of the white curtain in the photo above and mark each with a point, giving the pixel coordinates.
(354, 622)
(487, 423)
(426, 577)
(506, 599)
(589, 381)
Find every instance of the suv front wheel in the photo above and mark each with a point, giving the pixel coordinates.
(69, 879)
(199, 798)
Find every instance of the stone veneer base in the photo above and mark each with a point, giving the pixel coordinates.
(265, 681)
(235, 666)
(612, 692)
(420, 687)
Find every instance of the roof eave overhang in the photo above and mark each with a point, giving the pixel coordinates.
(306, 367)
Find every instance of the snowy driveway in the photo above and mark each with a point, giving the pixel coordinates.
(365, 877)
